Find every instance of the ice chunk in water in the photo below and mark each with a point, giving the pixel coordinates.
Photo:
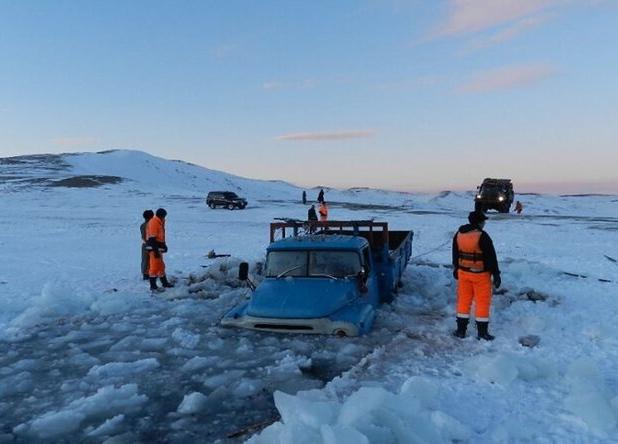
(342, 435)
(296, 409)
(185, 338)
(192, 403)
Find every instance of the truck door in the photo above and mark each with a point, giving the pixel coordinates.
(372, 280)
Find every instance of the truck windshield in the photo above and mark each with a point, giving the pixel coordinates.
(312, 263)
(230, 195)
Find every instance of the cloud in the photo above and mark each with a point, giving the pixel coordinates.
(73, 142)
(468, 16)
(301, 84)
(507, 77)
(334, 135)
(509, 32)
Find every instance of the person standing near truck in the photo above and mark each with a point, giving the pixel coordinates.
(148, 214)
(474, 265)
(155, 241)
(321, 196)
(323, 212)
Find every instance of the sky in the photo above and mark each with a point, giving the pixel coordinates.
(406, 95)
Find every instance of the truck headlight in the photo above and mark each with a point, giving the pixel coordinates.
(500, 198)
(478, 196)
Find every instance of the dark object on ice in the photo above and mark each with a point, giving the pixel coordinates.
(535, 296)
(243, 275)
(462, 326)
(212, 255)
(304, 197)
(529, 341)
(253, 428)
(494, 194)
(321, 196)
(482, 331)
(225, 199)
(85, 181)
(609, 258)
(165, 282)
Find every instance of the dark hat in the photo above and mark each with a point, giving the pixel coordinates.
(148, 214)
(161, 212)
(476, 217)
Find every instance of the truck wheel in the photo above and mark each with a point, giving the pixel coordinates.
(230, 206)
(211, 205)
(242, 207)
(340, 333)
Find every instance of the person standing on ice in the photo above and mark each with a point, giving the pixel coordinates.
(312, 216)
(323, 212)
(474, 265)
(155, 240)
(519, 207)
(321, 196)
(304, 197)
(148, 214)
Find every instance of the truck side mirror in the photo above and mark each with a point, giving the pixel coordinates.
(243, 271)
(362, 281)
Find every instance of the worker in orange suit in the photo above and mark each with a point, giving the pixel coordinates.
(155, 241)
(323, 212)
(474, 266)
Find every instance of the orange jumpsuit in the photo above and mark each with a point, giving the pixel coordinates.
(474, 280)
(156, 229)
(323, 212)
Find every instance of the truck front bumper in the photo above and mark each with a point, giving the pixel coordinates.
(309, 326)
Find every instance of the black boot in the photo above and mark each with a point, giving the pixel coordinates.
(482, 333)
(153, 284)
(462, 325)
(145, 277)
(165, 282)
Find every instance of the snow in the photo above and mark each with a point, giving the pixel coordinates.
(89, 355)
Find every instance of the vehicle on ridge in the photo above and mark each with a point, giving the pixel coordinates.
(225, 199)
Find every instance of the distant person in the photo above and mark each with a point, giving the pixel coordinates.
(323, 212)
(155, 240)
(312, 216)
(148, 214)
(518, 207)
(304, 198)
(321, 196)
(474, 264)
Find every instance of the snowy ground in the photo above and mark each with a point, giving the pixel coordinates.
(89, 355)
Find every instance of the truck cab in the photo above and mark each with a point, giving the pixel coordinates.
(330, 282)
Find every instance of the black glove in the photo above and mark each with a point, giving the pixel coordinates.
(497, 280)
(455, 274)
(163, 247)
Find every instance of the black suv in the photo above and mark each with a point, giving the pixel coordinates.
(496, 194)
(225, 199)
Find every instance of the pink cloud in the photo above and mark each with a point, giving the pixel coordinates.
(335, 135)
(468, 16)
(509, 32)
(507, 78)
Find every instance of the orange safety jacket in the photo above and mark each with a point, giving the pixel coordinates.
(323, 212)
(474, 251)
(156, 229)
(470, 253)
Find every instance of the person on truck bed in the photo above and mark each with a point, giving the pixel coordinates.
(474, 265)
(323, 212)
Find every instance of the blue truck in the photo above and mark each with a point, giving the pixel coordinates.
(329, 280)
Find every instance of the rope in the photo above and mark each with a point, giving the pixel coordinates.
(432, 250)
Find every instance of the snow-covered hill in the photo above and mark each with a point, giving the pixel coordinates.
(88, 355)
